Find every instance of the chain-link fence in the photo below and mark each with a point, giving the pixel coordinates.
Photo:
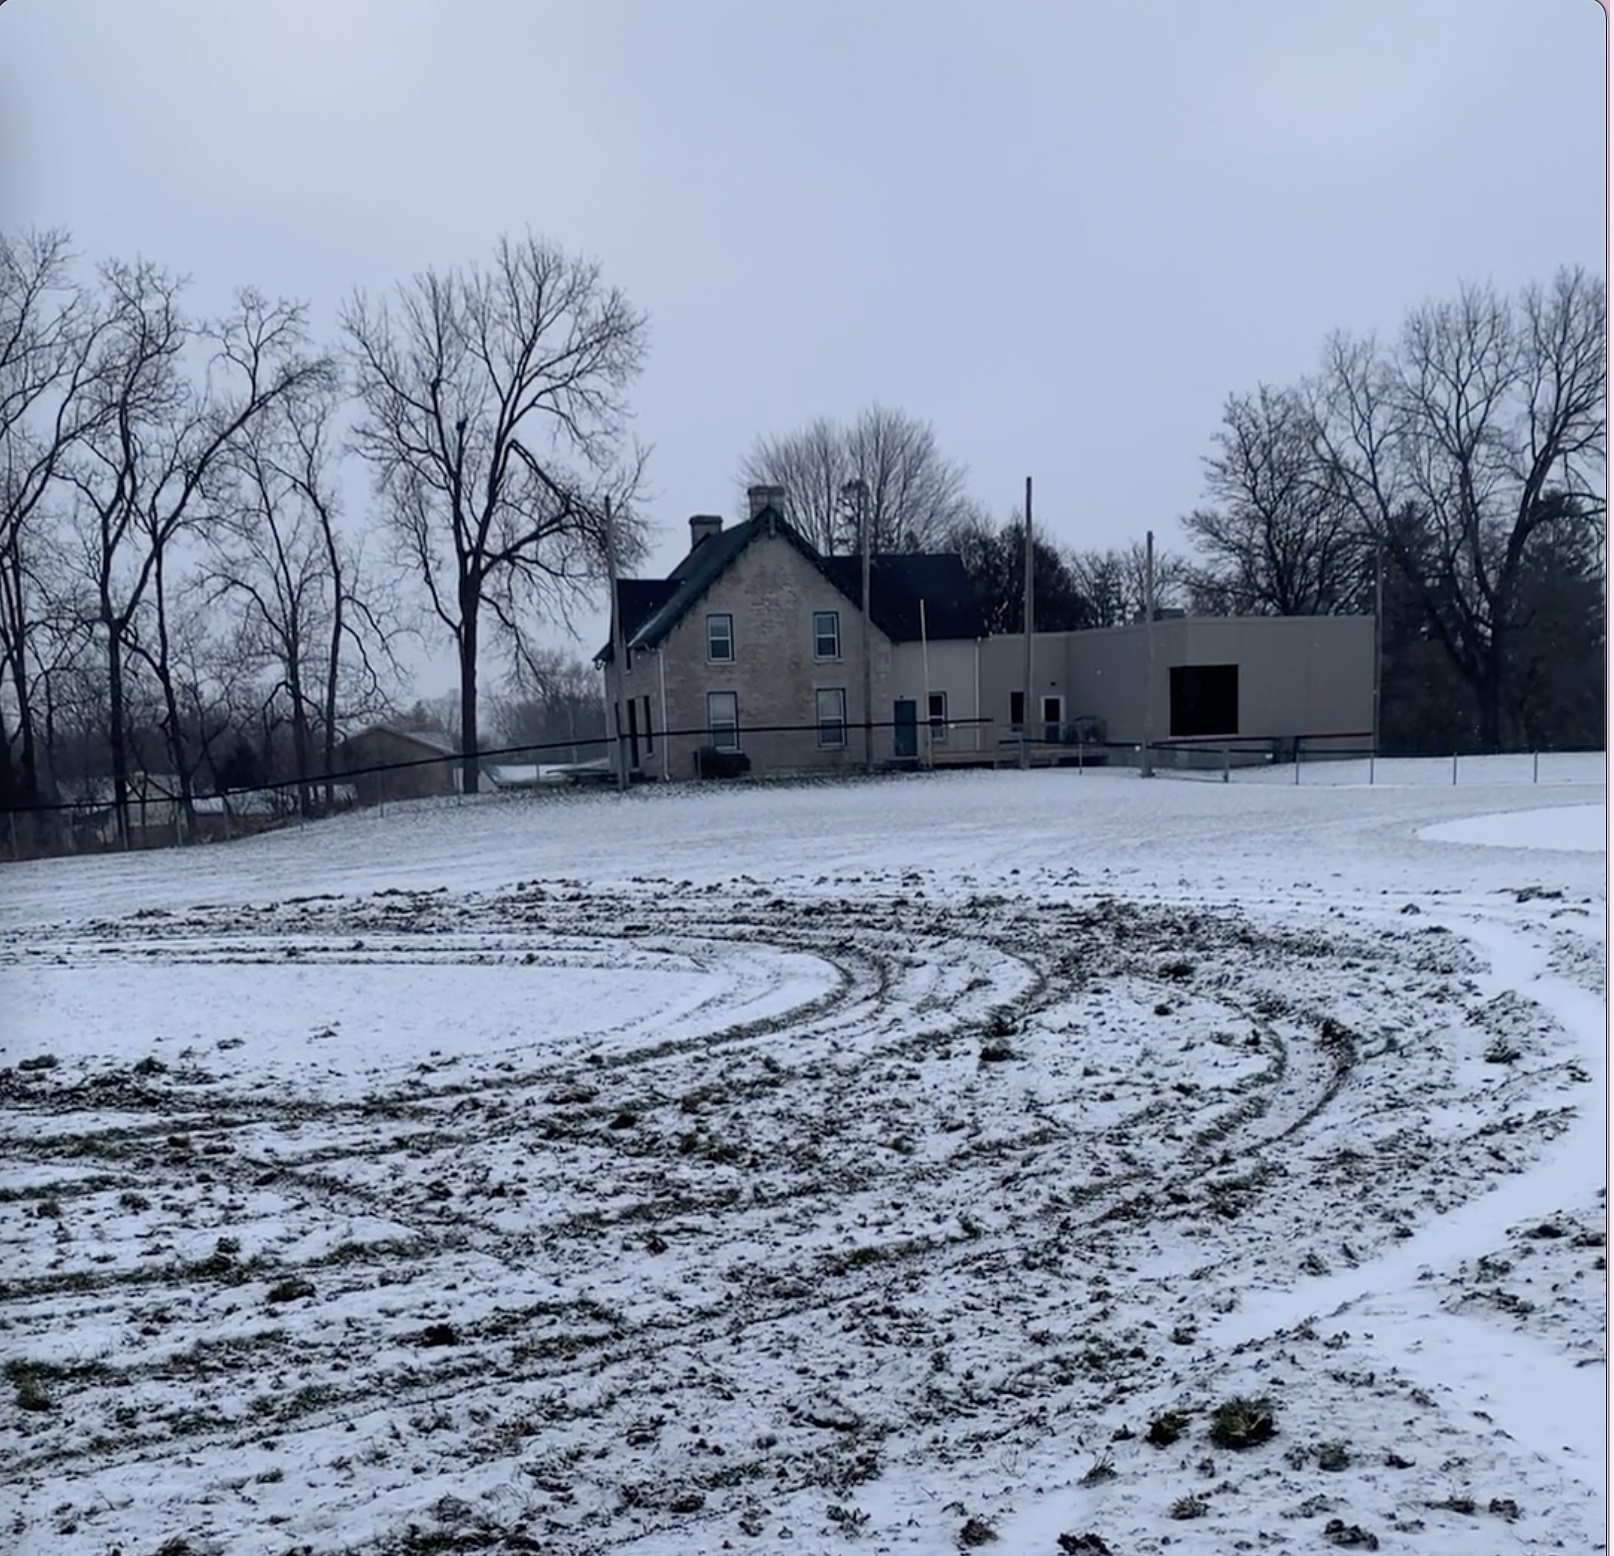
(157, 813)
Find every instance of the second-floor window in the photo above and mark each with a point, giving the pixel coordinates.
(826, 634)
(720, 637)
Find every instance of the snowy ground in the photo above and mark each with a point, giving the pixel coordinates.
(787, 1169)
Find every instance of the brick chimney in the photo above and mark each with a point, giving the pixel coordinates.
(702, 526)
(766, 497)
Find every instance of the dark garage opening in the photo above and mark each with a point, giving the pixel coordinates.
(1204, 700)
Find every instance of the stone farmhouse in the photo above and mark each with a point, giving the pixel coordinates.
(753, 647)
(748, 656)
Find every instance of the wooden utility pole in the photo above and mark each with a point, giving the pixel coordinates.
(865, 542)
(1148, 673)
(1026, 702)
(618, 651)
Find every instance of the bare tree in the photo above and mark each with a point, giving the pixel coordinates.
(1280, 539)
(140, 474)
(994, 556)
(1114, 583)
(913, 495)
(494, 418)
(550, 698)
(279, 556)
(1485, 425)
(48, 333)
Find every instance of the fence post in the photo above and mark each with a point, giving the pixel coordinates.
(1370, 761)
(1454, 769)
(1226, 763)
(1297, 762)
(1535, 767)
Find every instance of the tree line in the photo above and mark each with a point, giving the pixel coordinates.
(182, 590)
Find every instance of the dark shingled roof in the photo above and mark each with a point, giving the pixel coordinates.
(898, 582)
(651, 608)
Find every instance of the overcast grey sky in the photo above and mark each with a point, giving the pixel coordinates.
(1060, 232)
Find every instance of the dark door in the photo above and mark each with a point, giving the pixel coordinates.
(633, 729)
(905, 715)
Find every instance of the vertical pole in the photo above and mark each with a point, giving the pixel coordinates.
(1227, 763)
(1297, 761)
(924, 658)
(978, 725)
(865, 543)
(1026, 709)
(618, 650)
(1148, 671)
(666, 745)
(1535, 767)
(1378, 639)
(1454, 769)
(1370, 760)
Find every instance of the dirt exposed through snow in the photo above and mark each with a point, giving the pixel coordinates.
(925, 1224)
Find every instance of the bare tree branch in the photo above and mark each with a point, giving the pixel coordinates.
(493, 418)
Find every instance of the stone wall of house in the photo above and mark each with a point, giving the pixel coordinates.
(772, 593)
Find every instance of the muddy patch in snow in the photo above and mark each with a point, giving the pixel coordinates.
(803, 1213)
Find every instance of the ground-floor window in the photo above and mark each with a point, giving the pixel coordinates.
(938, 718)
(723, 720)
(832, 716)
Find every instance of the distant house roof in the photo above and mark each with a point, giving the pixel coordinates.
(651, 608)
(433, 740)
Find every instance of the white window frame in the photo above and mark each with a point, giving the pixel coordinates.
(818, 637)
(723, 730)
(831, 726)
(711, 621)
(938, 721)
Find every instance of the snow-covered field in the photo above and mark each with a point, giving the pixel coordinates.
(913, 1165)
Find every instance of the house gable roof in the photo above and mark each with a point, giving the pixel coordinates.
(651, 608)
(898, 582)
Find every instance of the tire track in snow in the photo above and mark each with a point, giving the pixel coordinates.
(1540, 1397)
